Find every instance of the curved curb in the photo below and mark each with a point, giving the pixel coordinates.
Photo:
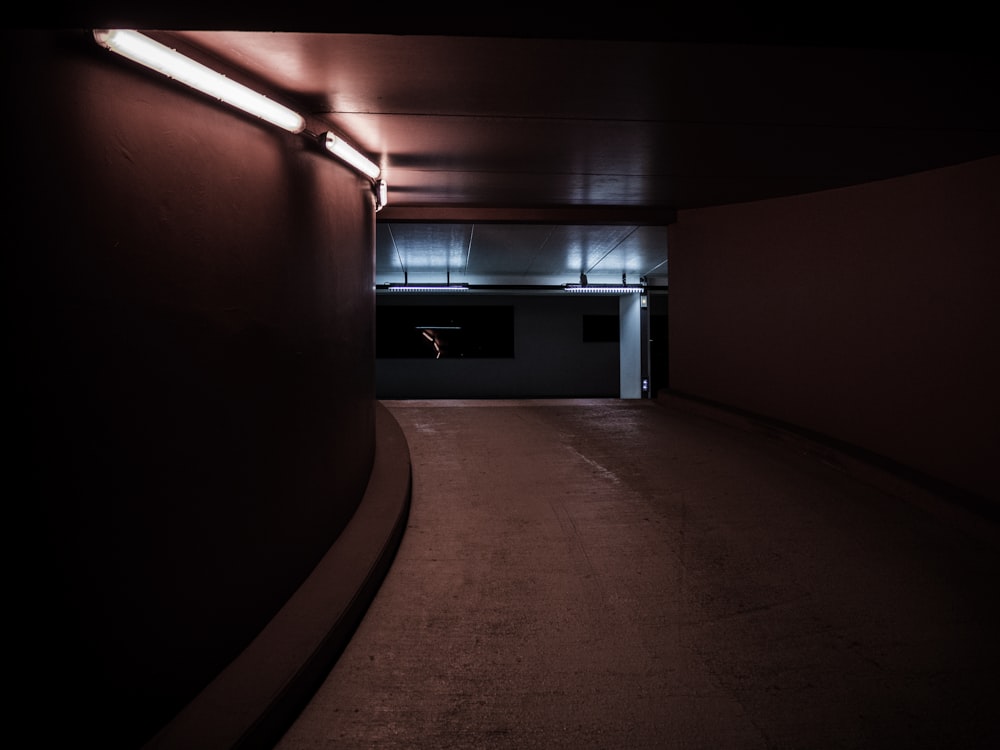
(258, 696)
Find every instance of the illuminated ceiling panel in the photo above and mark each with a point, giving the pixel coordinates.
(518, 254)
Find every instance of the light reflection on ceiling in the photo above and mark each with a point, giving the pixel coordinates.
(519, 254)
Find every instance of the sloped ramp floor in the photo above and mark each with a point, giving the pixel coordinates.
(623, 574)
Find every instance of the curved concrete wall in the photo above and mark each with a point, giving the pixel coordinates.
(192, 331)
(867, 314)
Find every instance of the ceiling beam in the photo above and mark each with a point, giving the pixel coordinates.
(575, 215)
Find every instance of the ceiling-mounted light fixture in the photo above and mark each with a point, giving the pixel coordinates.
(427, 287)
(150, 53)
(603, 288)
(343, 150)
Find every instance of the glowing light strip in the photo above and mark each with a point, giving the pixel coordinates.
(145, 51)
(428, 287)
(602, 289)
(343, 150)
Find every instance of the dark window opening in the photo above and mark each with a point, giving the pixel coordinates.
(444, 331)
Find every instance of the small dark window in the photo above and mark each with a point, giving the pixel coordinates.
(600, 328)
(444, 331)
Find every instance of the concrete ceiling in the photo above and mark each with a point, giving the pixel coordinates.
(516, 157)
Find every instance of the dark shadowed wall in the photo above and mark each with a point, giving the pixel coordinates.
(553, 354)
(868, 314)
(191, 311)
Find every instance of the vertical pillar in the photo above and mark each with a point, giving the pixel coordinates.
(630, 345)
(644, 339)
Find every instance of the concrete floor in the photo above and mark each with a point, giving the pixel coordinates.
(624, 574)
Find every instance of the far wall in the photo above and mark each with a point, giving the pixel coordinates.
(867, 314)
(551, 359)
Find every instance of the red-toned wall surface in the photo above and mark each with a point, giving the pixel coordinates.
(868, 314)
(191, 314)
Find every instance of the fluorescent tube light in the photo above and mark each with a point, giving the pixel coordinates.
(343, 150)
(145, 51)
(428, 287)
(602, 288)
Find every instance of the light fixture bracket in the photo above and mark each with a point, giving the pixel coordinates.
(381, 190)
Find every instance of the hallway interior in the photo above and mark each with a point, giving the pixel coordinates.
(603, 573)
(225, 557)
